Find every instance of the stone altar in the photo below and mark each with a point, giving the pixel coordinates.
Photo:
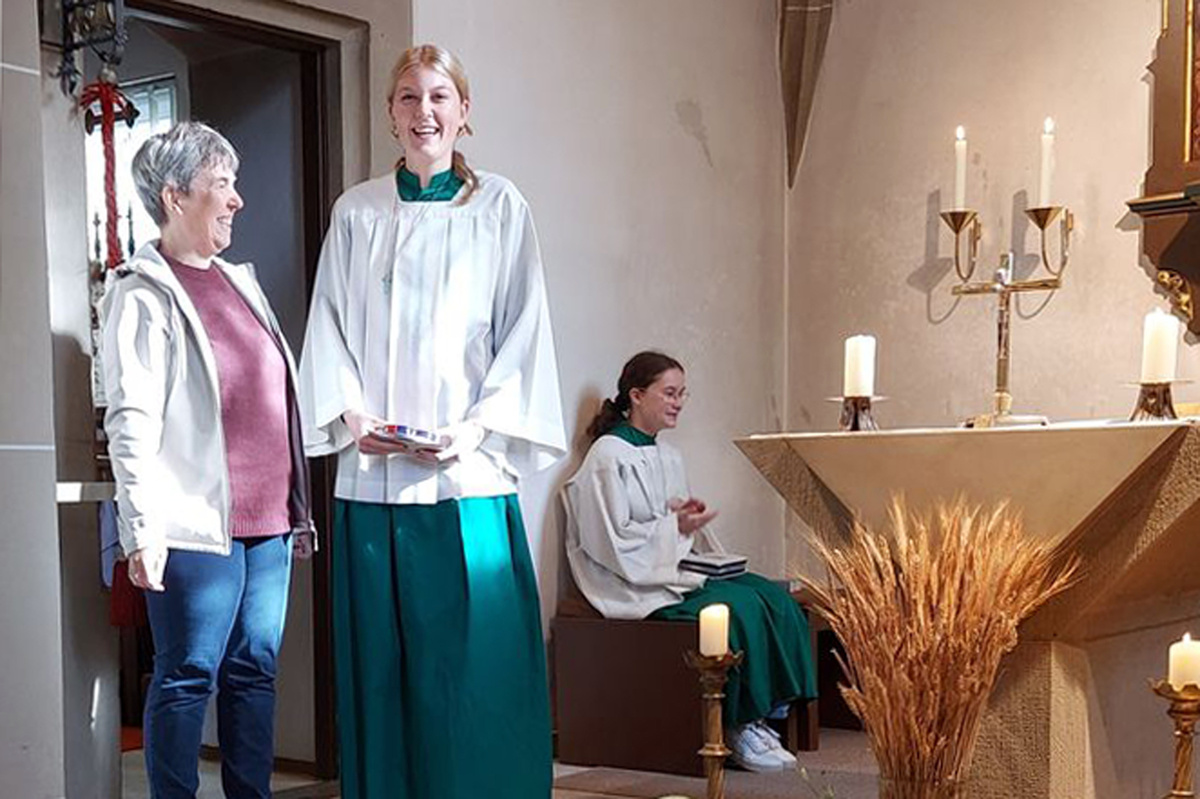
(1124, 497)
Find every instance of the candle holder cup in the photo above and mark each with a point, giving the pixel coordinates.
(1184, 711)
(964, 222)
(1154, 403)
(856, 414)
(1043, 217)
(714, 671)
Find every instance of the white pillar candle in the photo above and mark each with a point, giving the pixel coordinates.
(1160, 343)
(859, 377)
(714, 630)
(1047, 172)
(960, 168)
(1183, 662)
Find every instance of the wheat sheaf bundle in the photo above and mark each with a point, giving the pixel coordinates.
(926, 610)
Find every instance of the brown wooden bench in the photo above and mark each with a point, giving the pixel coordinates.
(624, 697)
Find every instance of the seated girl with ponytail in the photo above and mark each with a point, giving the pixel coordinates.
(630, 520)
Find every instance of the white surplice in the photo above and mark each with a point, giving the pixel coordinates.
(623, 539)
(430, 314)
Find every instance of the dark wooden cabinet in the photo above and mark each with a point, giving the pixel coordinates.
(1170, 207)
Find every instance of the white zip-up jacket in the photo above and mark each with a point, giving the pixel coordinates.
(165, 435)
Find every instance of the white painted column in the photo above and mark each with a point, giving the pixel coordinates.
(31, 690)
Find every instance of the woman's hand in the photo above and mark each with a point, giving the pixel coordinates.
(303, 544)
(146, 567)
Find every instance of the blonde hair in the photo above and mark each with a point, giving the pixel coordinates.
(445, 62)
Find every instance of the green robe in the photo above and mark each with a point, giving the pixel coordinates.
(441, 671)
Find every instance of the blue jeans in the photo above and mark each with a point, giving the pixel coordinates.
(218, 623)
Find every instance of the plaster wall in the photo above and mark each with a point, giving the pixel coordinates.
(867, 253)
(647, 139)
(31, 688)
(91, 690)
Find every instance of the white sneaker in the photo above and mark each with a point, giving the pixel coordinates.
(767, 734)
(749, 751)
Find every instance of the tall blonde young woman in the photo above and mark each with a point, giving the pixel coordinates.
(429, 311)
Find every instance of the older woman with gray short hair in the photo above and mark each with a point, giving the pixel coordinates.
(212, 484)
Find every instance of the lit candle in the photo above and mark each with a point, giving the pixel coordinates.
(1160, 343)
(1047, 173)
(859, 377)
(960, 168)
(714, 630)
(1183, 662)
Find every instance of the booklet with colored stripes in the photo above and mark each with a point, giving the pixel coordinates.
(713, 564)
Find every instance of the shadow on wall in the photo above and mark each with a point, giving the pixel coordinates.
(553, 542)
(934, 268)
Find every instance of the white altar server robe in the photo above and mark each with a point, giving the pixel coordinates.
(623, 539)
(429, 315)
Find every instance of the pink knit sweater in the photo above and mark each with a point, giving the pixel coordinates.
(253, 389)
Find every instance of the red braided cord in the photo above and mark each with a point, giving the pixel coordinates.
(110, 98)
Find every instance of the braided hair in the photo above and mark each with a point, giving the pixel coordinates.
(640, 371)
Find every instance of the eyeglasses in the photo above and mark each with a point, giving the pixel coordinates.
(670, 394)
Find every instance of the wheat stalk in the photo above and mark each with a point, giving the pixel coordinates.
(926, 610)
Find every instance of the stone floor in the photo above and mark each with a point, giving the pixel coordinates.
(133, 781)
(843, 762)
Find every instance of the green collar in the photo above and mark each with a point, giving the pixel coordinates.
(442, 187)
(627, 432)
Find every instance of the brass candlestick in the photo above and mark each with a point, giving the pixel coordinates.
(1185, 710)
(1154, 403)
(856, 414)
(713, 673)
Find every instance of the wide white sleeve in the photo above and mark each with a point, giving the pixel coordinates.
(519, 403)
(137, 356)
(330, 380)
(641, 553)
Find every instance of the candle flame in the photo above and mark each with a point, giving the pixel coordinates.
(960, 133)
(1048, 126)
(1187, 636)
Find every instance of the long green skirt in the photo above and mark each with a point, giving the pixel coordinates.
(441, 670)
(768, 626)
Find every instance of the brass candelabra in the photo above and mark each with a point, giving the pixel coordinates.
(714, 671)
(1184, 711)
(968, 231)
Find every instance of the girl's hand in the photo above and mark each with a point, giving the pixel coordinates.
(462, 439)
(690, 519)
(361, 425)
